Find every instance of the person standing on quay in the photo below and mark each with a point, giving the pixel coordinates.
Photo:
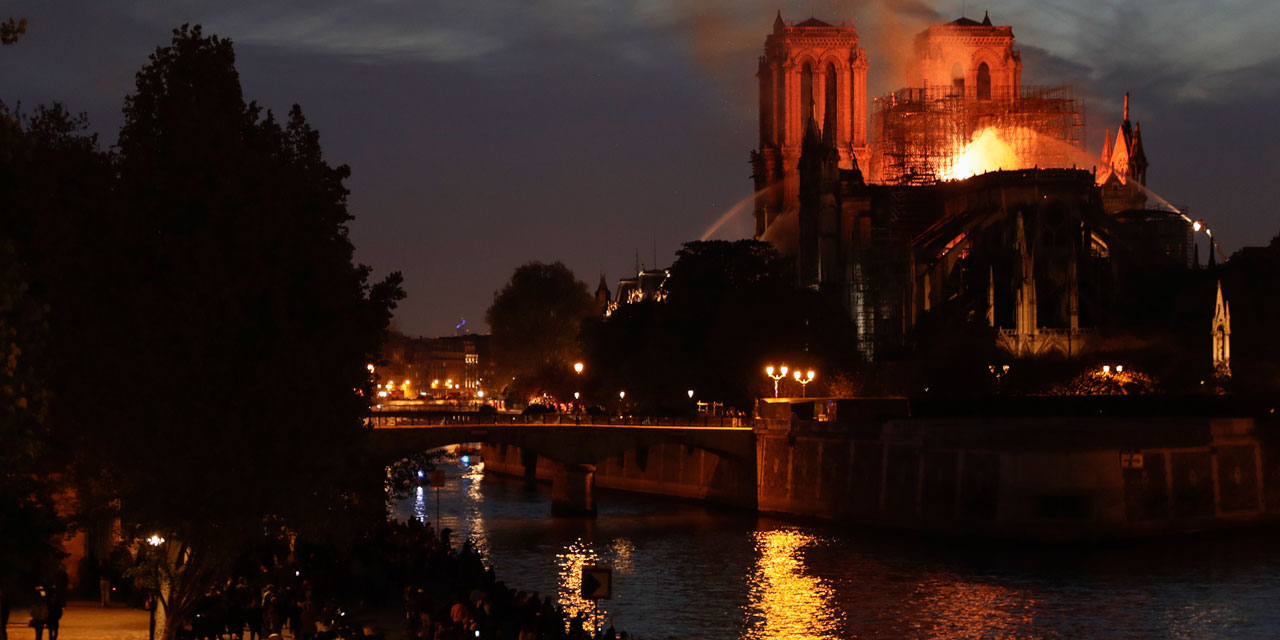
(104, 585)
(55, 606)
(39, 613)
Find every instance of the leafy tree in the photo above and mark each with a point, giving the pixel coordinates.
(535, 321)
(34, 152)
(214, 337)
(730, 309)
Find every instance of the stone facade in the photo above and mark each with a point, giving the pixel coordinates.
(810, 69)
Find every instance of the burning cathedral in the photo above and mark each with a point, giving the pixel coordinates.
(971, 191)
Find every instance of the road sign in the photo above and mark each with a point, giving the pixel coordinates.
(437, 478)
(597, 582)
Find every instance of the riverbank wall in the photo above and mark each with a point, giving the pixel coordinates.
(1056, 472)
(1039, 478)
(672, 470)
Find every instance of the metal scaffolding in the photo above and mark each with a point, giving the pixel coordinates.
(920, 132)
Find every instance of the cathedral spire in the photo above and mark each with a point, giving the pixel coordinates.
(778, 24)
(1126, 106)
(1137, 157)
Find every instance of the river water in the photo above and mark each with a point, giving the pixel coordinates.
(683, 571)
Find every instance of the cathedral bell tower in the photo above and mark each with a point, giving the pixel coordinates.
(810, 69)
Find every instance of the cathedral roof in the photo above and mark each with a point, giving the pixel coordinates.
(970, 22)
(812, 22)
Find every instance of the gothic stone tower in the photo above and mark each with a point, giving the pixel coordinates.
(971, 59)
(807, 70)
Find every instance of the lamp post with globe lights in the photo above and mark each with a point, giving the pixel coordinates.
(782, 373)
(804, 380)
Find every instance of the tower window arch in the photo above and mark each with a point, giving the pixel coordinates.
(806, 92)
(984, 82)
(830, 116)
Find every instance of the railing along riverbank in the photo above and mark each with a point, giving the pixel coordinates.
(420, 419)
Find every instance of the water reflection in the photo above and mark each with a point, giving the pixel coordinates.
(419, 505)
(472, 475)
(681, 572)
(953, 609)
(570, 562)
(785, 603)
(621, 551)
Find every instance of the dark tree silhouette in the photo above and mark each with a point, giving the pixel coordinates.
(731, 308)
(535, 321)
(212, 331)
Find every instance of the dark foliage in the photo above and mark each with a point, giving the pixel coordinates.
(535, 321)
(209, 330)
(731, 308)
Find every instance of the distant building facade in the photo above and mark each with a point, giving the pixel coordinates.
(436, 367)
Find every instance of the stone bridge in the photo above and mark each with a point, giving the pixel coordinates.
(574, 445)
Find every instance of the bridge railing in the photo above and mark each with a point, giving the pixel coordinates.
(385, 420)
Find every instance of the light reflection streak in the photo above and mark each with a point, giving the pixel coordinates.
(786, 604)
(570, 562)
(621, 552)
(960, 608)
(478, 535)
(419, 505)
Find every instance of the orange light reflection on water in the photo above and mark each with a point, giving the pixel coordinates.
(785, 603)
(956, 609)
(577, 555)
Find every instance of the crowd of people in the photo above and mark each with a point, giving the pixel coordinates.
(447, 593)
(316, 592)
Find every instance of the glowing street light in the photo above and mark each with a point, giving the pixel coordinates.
(622, 395)
(782, 373)
(690, 392)
(577, 369)
(803, 380)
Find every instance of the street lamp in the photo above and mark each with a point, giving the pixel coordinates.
(577, 369)
(803, 380)
(782, 373)
(690, 392)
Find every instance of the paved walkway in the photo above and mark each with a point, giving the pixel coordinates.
(87, 621)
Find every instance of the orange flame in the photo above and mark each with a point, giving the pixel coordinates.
(988, 151)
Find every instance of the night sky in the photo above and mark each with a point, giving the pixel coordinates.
(485, 134)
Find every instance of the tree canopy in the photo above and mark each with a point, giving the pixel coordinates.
(535, 321)
(208, 328)
(730, 309)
